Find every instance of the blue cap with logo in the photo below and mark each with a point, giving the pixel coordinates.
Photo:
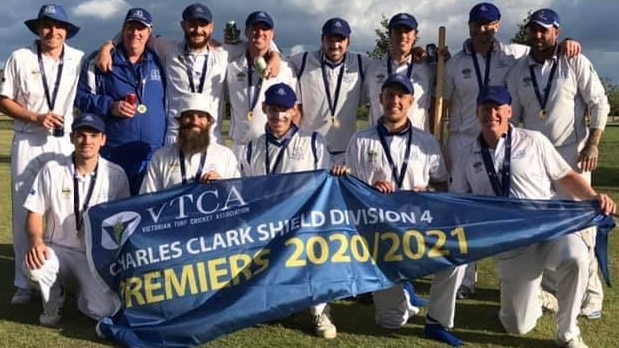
(197, 11)
(546, 18)
(400, 80)
(139, 15)
(336, 27)
(494, 94)
(55, 12)
(484, 12)
(280, 94)
(403, 19)
(259, 17)
(88, 121)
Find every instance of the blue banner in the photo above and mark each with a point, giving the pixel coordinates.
(197, 262)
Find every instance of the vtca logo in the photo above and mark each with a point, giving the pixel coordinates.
(118, 228)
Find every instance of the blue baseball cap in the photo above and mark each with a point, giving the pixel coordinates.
(90, 121)
(197, 11)
(139, 15)
(55, 12)
(259, 17)
(336, 27)
(484, 12)
(494, 94)
(403, 19)
(400, 80)
(280, 95)
(546, 18)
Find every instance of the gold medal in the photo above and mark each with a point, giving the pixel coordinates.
(335, 122)
(250, 115)
(543, 114)
(142, 108)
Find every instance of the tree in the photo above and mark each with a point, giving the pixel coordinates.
(612, 93)
(382, 41)
(521, 35)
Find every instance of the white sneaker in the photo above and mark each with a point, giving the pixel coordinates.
(21, 297)
(323, 325)
(575, 342)
(51, 312)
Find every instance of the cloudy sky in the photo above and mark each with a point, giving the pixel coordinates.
(298, 22)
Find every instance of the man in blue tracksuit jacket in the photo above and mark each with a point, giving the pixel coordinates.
(131, 99)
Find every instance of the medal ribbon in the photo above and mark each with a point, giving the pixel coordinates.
(283, 145)
(409, 70)
(482, 83)
(181, 156)
(51, 99)
(544, 101)
(382, 134)
(189, 70)
(332, 101)
(252, 95)
(79, 217)
(501, 188)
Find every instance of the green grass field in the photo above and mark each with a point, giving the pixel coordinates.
(476, 321)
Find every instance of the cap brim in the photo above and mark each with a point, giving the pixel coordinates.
(148, 25)
(261, 21)
(198, 18)
(88, 127)
(71, 28)
(402, 24)
(210, 113)
(398, 84)
(337, 32)
(542, 24)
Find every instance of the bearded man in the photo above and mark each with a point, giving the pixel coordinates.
(194, 158)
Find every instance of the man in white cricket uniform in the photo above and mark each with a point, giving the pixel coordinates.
(195, 157)
(522, 164)
(37, 91)
(402, 37)
(196, 65)
(391, 156)
(284, 148)
(331, 86)
(554, 94)
(483, 61)
(62, 191)
(245, 84)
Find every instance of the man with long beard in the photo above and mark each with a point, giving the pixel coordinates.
(195, 158)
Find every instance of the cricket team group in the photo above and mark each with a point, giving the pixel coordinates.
(525, 122)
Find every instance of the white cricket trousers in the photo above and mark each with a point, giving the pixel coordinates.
(29, 152)
(520, 273)
(594, 295)
(92, 300)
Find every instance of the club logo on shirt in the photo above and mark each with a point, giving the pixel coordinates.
(155, 75)
(241, 76)
(32, 192)
(296, 154)
(36, 73)
(564, 73)
(66, 191)
(372, 155)
(117, 228)
(466, 73)
(380, 78)
(527, 81)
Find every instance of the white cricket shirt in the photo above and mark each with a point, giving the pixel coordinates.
(164, 169)
(52, 196)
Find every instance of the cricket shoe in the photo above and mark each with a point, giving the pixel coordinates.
(22, 297)
(51, 315)
(323, 325)
(575, 342)
(434, 330)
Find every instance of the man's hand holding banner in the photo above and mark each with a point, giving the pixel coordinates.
(196, 262)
